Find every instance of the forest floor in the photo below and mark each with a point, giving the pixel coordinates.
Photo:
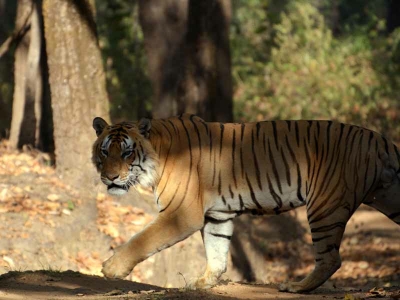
(53, 240)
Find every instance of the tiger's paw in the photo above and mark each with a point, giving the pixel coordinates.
(202, 283)
(118, 265)
(292, 287)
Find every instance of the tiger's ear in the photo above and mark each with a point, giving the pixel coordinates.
(144, 127)
(99, 124)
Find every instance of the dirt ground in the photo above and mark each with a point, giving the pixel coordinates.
(54, 238)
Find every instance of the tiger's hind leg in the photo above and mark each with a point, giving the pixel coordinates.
(216, 237)
(327, 228)
(387, 200)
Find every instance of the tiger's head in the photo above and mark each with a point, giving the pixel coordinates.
(124, 155)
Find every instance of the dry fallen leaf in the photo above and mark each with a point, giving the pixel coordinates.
(53, 197)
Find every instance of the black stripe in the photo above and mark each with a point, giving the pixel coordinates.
(173, 126)
(328, 136)
(296, 128)
(289, 125)
(315, 240)
(352, 144)
(169, 149)
(273, 123)
(198, 133)
(255, 161)
(231, 192)
(219, 183)
(275, 196)
(241, 202)
(291, 150)
(253, 196)
(316, 146)
(233, 156)
(215, 221)
(204, 124)
(172, 199)
(299, 196)
(258, 130)
(307, 158)
(228, 237)
(265, 150)
(386, 144)
(223, 200)
(371, 135)
(287, 170)
(328, 227)
(341, 133)
(308, 131)
(222, 137)
(274, 169)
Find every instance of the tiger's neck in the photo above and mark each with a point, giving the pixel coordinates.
(161, 139)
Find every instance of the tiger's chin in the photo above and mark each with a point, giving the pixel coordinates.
(117, 190)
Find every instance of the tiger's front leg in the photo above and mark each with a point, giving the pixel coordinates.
(165, 231)
(216, 238)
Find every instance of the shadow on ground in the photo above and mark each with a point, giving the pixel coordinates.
(72, 285)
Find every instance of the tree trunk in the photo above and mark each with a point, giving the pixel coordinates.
(187, 44)
(27, 101)
(77, 84)
(393, 15)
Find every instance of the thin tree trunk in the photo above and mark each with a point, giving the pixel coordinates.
(26, 114)
(77, 83)
(7, 17)
(187, 43)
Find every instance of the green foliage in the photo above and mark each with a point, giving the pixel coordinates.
(310, 74)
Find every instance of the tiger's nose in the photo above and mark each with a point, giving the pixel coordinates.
(112, 177)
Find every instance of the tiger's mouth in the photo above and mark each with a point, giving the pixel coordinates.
(115, 189)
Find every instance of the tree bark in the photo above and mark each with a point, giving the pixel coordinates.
(187, 44)
(77, 84)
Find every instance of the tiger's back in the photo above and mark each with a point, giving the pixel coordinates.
(273, 166)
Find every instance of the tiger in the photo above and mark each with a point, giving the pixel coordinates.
(205, 174)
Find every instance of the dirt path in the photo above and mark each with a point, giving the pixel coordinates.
(72, 285)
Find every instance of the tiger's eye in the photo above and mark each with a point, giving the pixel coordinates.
(127, 153)
(104, 152)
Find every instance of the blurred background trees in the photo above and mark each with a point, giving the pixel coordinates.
(330, 59)
(189, 61)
